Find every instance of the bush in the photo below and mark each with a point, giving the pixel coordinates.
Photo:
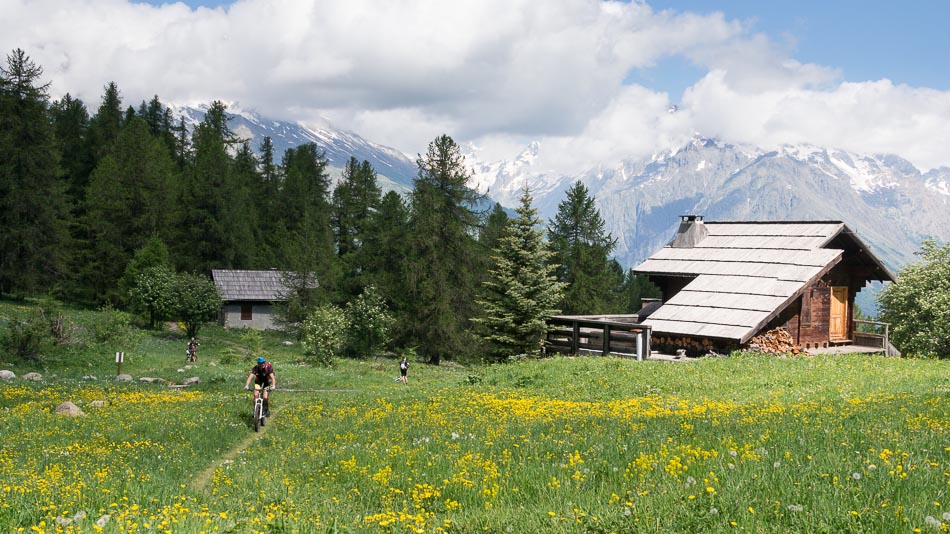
(323, 335)
(26, 340)
(369, 322)
(918, 305)
(112, 326)
(228, 356)
(254, 341)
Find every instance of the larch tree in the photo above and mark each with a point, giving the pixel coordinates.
(34, 217)
(305, 236)
(355, 199)
(522, 291)
(443, 259)
(108, 120)
(387, 260)
(130, 198)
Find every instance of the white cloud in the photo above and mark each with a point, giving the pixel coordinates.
(492, 71)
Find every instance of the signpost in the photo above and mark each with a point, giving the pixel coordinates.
(119, 356)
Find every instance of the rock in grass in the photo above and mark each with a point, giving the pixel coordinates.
(33, 376)
(123, 378)
(7, 375)
(70, 409)
(190, 381)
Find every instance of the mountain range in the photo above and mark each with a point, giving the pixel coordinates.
(892, 205)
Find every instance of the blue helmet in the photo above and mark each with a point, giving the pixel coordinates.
(261, 360)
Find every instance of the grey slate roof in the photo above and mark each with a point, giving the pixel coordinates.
(745, 274)
(250, 285)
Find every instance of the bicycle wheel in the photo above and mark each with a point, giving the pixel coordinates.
(257, 416)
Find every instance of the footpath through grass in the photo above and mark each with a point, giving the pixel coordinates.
(750, 444)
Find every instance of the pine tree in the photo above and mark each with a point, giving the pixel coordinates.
(386, 259)
(247, 183)
(213, 236)
(130, 198)
(34, 216)
(493, 229)
(355, 199)
(71, 124)
(443, 260)
(106, 123)
(304, 233)
(522, 290)
(266, 200)
(578, 236)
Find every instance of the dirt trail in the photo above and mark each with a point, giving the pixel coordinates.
(200, 483)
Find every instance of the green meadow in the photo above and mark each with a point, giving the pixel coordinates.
(735, 444)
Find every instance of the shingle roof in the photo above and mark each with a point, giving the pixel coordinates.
(250, 285)
(745, 273)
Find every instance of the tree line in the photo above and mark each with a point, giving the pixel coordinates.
(93, 199)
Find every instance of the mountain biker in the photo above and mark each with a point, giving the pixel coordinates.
(262, 374)
(192, 351)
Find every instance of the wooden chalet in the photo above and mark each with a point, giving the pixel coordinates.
(249, 297)
(723, 283)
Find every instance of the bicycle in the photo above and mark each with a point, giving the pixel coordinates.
(259, 415)
(190, 355)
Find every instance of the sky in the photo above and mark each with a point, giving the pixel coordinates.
(593, 81)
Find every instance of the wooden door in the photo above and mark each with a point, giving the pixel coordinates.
(838, 326)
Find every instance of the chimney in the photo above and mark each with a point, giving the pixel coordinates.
(690, 233)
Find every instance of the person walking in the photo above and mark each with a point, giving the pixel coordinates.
(191, 353)
(403, 369)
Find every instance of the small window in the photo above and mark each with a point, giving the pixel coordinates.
(246, 314)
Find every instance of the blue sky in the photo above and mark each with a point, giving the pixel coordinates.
(906, 42)
(592, 81)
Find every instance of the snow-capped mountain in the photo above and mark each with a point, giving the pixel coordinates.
(884, 198)
(892, 205)
(395, 170)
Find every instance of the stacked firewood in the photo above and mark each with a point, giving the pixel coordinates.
(688, 346)
(775, 341)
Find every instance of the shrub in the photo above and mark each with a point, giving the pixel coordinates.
(323, 335)
(918, 305)
(369, 322)
(254, 341)
(112, 326)
(26, 339)
(228, 356)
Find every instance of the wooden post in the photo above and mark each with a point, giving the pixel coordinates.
(606, 350)
(575, 339)
(119, 357)
(640, 345)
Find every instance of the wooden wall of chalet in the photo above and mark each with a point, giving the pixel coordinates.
(808, 319)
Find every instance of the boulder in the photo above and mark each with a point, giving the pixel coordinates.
(7, 375)
(70, 409)
(97, 403)
(150, 380)
(124, 378)
(190, 381)
(33, 376)
(288, 343)
(89, 377)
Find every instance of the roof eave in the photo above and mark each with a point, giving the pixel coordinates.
(794, 296)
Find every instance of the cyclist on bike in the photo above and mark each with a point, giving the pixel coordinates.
(262, 374)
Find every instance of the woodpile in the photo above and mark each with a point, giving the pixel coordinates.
(674, 344)
(775, 341)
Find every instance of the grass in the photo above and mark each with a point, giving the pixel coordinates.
(738, 444)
